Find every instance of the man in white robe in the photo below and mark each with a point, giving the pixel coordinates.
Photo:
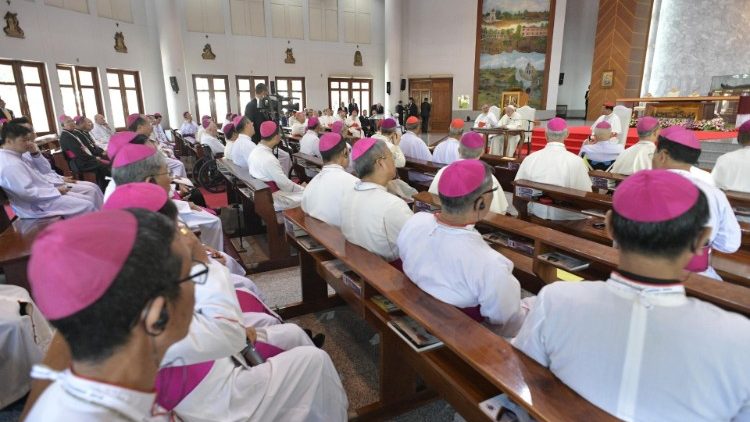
(309, 144)
(472, 148)
(159, 133)
(446, 151)
(354, 124)
(677, 151)
(31, 195)
(141, 125)
(210, 138)
(732, 170)
(447, 258)
(188, 129)
(101, 131)
(201, 130)
(325, 193)
(414, 147)
(632, 345)
(370, 216)
(639, 156)
(326, 120)
(555, 165)
(486, 119)
(610, 117)
(244, 144)
(511, 119)
(125, 315)
(298, 124)
(390, 135)
(602, 151)
(264, 166)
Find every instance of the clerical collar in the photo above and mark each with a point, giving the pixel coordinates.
(442, 222)
(645, 292)
(646, 280)
(362, 186)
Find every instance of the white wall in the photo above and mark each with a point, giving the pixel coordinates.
(55, 35)
(577, 53)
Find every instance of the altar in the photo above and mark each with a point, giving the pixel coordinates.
(693, 108)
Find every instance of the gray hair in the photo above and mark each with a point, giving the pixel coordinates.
(412, 126)
(455, 132)
(138, 171)
(648, 133)
(464, 203)
(557, 136)
(365, 164)
(602, 133)
(469, 153)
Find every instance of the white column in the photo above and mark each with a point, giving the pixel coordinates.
(169, 23)
(556, 56)
(393, 31)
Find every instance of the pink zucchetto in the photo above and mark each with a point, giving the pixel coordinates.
(646, 124)
(388, 123)
(312, 122)
(228, 128)
(132, 153)
(78, 119)
(117, 141)
(62, 118)
(337, 126)
(682, 136)
(603, 125)
(268, 129)
(461, 178)
(653, 196)
(236, 121)
(362, 146)
(329, 140)
(745, 127)
(132, 118)
(149, 196)
(472, 140)
(557, 125)
(75, 261)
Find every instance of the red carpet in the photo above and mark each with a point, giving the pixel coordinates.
(579, 133)
(214, 200)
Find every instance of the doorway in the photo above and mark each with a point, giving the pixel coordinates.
(439, 93)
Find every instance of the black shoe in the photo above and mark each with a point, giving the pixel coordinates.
(318, 340)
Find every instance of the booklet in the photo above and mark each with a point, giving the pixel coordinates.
(310, 244)
(414, 334)
(564, 261)
(385, 304)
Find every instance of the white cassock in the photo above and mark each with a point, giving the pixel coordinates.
(32, 195)
(175, 166)
(499, 202)
(702, 175)
(160, 135)
(414, 147)
(726, 235)
(326, 121)
(446, 152)
(325, 193)
(24, 338)
(354, 126)
(497, 142)
(310, 145)
(602, 151)
(299, 384)
(101, 135)
(199, 134)
(486, 120)
(264, 166)
(297, 128)
(228, 148)
(732, 170)
(241, 149)
(642, 352)
(557, 166)
(216, 146)
(613, 121)
(372, 218)
(188, 129)
(455, 265)
(82, 189)
(636, 158)
(72, 398)
(398, 155)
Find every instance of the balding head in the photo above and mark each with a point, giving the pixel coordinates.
(99, 119)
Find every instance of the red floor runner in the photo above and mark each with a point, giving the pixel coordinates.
(214, 200)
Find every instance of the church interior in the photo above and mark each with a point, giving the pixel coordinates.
(365, 210)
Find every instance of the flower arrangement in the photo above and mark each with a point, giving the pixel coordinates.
(716, 124)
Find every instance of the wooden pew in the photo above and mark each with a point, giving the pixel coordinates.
(259, 214)
(605, 180)
(504, 169)
(58, 156)
(302, 162)
(474, 365)
(603, 260)
(429, 168)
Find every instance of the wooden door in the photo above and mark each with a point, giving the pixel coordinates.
(439, 92)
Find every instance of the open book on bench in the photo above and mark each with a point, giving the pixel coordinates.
(414, 334)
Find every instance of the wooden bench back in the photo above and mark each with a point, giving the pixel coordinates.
(527, 383)
(5, 220)
(58, 156)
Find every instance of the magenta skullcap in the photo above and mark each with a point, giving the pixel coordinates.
(461, 178)
(148, 196)
(472, 140)
(337, 126)
(312, 122)
(132, 153)
(268, 129)
(388, 123)
(557, 125)
(603, 125)
(229, 127)
(653, 196)
(362, 146)
(236, 121)
(157, 115)
(329, 140)
(63, 117)
(132, 118)
(745, 127)
(646, 124)
(682, 136)
(117, 141)
(78, 119)
(74, 262)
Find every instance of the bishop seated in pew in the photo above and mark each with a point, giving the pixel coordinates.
(601, 151)
(639, 156)
(141, 124)
(732, 170)
(265, 166)
(80, 157)
(446, 151)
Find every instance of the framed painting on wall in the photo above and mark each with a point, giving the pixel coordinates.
(513, 49)
(608, 78)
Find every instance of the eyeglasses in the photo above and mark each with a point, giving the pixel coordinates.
(198, 274)
(490, 191)
(166, 173)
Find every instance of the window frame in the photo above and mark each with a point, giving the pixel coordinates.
(289, 91)
(254, 80)
(211, 96)
(78, 92)
(21, 85)
(123, 91)
(349, 91)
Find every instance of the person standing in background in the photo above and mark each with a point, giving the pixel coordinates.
(425, 112)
